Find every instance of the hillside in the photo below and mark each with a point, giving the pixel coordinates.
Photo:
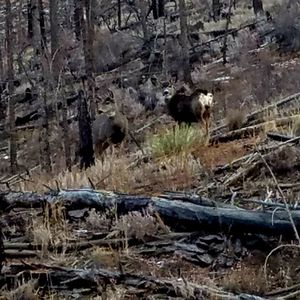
(167, 213)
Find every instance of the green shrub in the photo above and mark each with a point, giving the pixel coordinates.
(178, 140)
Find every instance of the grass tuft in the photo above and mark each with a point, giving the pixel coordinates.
(178, 140)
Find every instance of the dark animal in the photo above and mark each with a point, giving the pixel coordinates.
(194, 108)
(108, 130)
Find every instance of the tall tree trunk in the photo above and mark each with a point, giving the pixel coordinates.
(65, 127)
(228, 20)
(86, 151)
(54, 27)
(184, 42)
(88, 45)
(1, 68)
(119, 14)
(154, 9)
(11, 100)
(78, 18)
(42, 23)
(257, 6)
(161, 8)
(29, 19)
(143, 9)
(42, 91)
(19, 33)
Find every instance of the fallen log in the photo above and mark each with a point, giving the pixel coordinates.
(59, 277)
(175, 213)
(251, 130)
(258, 113)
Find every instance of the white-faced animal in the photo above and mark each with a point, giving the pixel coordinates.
(194, 108)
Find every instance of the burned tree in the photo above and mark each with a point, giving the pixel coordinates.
(29, 20)
(86, 151)
(257, 6)
(41, 91)
(11, 100)
(184, 42)
(88, 33)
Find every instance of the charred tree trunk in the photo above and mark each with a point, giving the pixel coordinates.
(154, 9)
(216, 8)
(119, 14)
(88, 44)
(40, 71)
(184, 42)
(54, 25)
(19, 33)
(228, 20)
(29, 20)
(86, 151)
(1, 68)
(42, 23)
(78, 18)
(66, 134)
(161, 8)
(2, 254)
(142, 7)
(257, 6)
(11, 100)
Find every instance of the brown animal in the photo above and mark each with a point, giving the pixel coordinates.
(194, 108)
(108, 130)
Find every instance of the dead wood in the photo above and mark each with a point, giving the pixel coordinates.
(250, 118)
(68, 278)
(175, 213)
(251, 130)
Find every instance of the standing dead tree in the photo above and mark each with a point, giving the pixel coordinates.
(257, 6)
(41, 87)
(86, 151)
(184, 42)
(228, 20)
(88, 33)
(11, 101)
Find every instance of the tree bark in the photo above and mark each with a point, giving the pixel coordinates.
(54, 25)
(11, 100)
(86, 151)
(78, 19)
(184, 42)
(154, 9)
(161, 8)
(88, 43)
(41, 91)
(29, 19)
(119, 14)
(182, 213)
(142, 6)
(228, 20)
(42, 24)
(257, 6)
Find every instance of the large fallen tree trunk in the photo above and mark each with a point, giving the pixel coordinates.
(178, 214)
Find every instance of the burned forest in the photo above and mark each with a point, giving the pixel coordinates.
(149, 149)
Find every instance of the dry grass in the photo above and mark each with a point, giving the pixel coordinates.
(26, 291)
(179, 140)
(296, 128)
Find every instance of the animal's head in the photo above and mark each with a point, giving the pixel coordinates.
(168, 93)
(206, 100)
